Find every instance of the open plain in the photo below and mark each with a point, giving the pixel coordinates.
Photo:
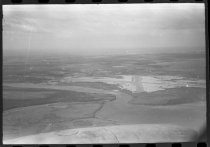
(136, 92)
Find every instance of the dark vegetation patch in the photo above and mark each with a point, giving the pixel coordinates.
(16, 101)
(44, 69)
(172, 96)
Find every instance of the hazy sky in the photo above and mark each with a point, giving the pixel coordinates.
(99, 29)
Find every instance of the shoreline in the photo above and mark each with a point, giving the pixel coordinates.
(116, 110)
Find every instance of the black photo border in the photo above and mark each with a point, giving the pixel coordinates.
(197, 143)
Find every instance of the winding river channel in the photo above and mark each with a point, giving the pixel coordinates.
(120, 110)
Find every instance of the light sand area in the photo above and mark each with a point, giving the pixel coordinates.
(137, 83)
(143, 133)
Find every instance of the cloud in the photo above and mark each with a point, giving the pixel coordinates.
(106, 26)
(120, 17)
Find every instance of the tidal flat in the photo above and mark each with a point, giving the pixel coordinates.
(49, 95)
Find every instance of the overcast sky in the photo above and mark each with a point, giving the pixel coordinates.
(100, 29)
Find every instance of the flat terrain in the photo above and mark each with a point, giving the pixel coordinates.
(172, 96)
(67, 94)
(150, 133)
(39, 96)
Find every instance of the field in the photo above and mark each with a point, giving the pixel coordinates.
(51, 94)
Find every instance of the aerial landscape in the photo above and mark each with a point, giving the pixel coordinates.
(127, 97)
(56, 95)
